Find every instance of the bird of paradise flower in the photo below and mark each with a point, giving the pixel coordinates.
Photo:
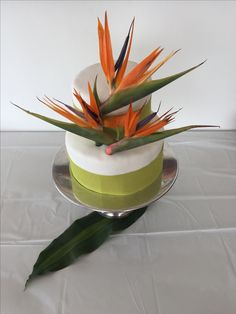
(92, 120)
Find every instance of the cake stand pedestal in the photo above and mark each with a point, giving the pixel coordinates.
(113, 206)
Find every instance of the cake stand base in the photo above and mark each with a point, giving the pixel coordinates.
(112, 206)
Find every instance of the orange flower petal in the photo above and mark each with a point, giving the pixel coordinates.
(123, 67)
(102, 52)
(151, 129)
(52, 103)
(83, 104)
(133, 122)
(152, 71)
(137, 72)
(64, 113)
(114, 121)
(157, 124)
(130, 121)
(162, 117)
(109, 54)
(127, 120)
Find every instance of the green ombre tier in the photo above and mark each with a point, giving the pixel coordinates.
(122, 184)
(114, 202)
(122, 174)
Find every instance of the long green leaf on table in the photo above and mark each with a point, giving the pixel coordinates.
(126, 96)
(92, 134)
(83, 236)
(132, 142)
(123, 223)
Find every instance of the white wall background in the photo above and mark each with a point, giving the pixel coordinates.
(45, 43)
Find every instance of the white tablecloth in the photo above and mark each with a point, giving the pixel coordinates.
(179, 258)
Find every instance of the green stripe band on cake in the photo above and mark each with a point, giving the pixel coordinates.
(98, 201)
(122, 184)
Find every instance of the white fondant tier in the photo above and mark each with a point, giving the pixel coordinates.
(89, 74)
(88, 156)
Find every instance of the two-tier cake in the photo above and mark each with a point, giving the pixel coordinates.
(120, 174)
(114, 140)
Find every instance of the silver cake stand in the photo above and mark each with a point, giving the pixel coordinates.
(112, 205)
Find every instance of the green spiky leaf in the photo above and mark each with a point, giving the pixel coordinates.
(84, 236)
(95, 92)
(124, 97)
(97, 136)
(129, 143)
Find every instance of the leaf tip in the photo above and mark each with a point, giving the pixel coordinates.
(202, 63)
(176, 51)
(159, 107)
(27, 282)
(108, 150)
(106, 19)
(132, 23)
(12, 103)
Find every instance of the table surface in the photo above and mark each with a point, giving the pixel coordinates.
(179, 258)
